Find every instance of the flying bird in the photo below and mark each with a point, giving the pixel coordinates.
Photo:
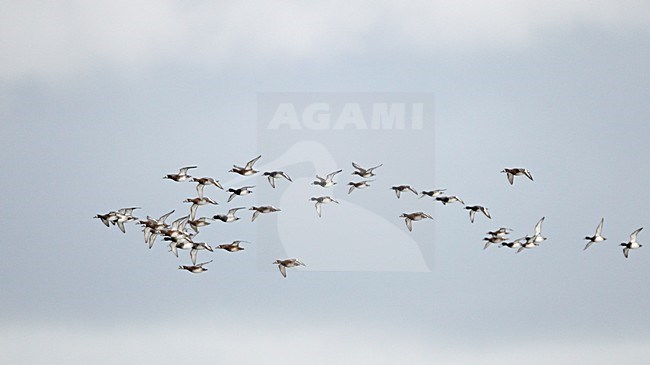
(328, 181)
(358, 185)
(232, 247)
(493, 239)
(284, 264)
(228, 217)
(449, 199)
(410, 217)
(477, 208)
(196, 202)
(195, 268)
(320, 201)
(400, 188)
(181, 176)
(244, 190)
(432, 193)
(272, 175)
(596, 237)
(202, 182)
(632, 243)
(365, 173)
(262, 209)
(246, 170)
(517, 171)
(503, 231)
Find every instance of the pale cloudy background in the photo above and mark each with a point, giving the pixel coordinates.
(99, 101)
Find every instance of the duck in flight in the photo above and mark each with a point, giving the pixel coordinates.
(477, 208)
(365, 173)
(244, 190)
(358, 185)
(503, 231)
(232, 247)
(262, 209)
(401, 188)
(596, 237)
(196, 202)
(195, 269)
(410, 217)
(320, 201)
(246, 170)
(517, 171)
(632, 243)
(272, 175)
(284, 264)
(202, 182)
(181, 176)
(328, 181)
(432, 193)
(449, 199)
(228, 217)
(493, 239)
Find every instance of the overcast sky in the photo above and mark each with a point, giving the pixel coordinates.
(98, 102)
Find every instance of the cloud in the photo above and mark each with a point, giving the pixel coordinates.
(51, 38)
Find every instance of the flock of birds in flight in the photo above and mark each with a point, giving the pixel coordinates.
(180, 237)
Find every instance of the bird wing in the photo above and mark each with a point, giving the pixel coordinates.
(193, 209)
(349, 191)
(152, 239)
(356, 166)
(164, 217)
(282, 173)
(511, 178)
(397, 192)
(485, 211)
(538, 227)
(471, 216)
(127, 211)
(588, 244)
(634, 234)
(183, 170)
(331, 175)
(271, 181)
(528, 175)
(318, 208)
(120, 224)
(104, 220)
(283, 270)
(249, 164)
(234, 210)
(199, 190)
(193, 253)
(409, 224)
(255, 214)
(204, 263)
(625, 251)
(599, 229)
(413, 190)
(232, 196)
(147, 233)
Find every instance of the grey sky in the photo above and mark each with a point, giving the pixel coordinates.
(98, 103)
